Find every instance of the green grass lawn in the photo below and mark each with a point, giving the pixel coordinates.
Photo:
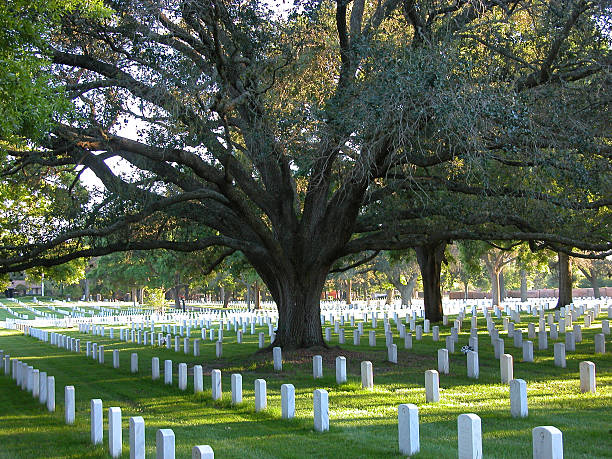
(4, 314)
(362, 423)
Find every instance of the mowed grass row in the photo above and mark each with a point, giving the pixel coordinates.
(362, 423)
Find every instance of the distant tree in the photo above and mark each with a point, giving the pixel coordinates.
(69, 273)
(401, 270)
(594, 271)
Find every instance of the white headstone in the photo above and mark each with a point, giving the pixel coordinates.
(577, 333)
(340, 370)
(432, 386)
(182, 376)
(587, 376)
(443, 366)
(528, 351)
(167, 371)
(115, 358)
(531, 332)
(287, 401)
(473, 343)
(570, 342)
(202, 452)
(554, 334)
(134, 363)
(450, 344)
(317, 366)
(278, 358)
(392, 353)
(408, 341)
(137, 438)
(155, 368)
(408, 426)
(321, 410)
(547, 443)
(261, 398)
(518, 339)
(542, 340)
(559, 355)
(198, 379)
(165, 444)
(42, 388)
(600, 343)
(473, 369)
(367, 375)
(216, 386)
(50, 393)
(219, 349)
(518, 398)
(96, 421)
(115, 440)
(35, 382)
(506, 367)
(469, 436)
(236, 388)
(69, 404)
(499, 347)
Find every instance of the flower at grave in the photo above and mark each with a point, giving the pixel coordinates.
(465, 349)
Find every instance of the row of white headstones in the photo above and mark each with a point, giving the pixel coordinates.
(506, 360)
(320, 399)
(547, 440)
(42, 387)
(571, 337)
(587, 369)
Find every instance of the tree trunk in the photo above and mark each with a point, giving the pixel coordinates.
(595, 285)
(407, 290)
(249, 294)
(389, 296)
(502, 286)
(257, 296)
(221, 293)
(85, 289)
(465, 291)
(296, 290)
(226, 297)
(176, 297)
(523, 285)
(349, 291)
(565, 280)
(495, 290)
(430, 258)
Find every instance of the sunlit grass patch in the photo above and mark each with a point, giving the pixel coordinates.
(363, 423)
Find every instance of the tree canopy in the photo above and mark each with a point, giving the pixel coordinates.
(341, 128)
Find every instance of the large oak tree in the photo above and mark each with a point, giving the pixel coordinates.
(343, 128)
